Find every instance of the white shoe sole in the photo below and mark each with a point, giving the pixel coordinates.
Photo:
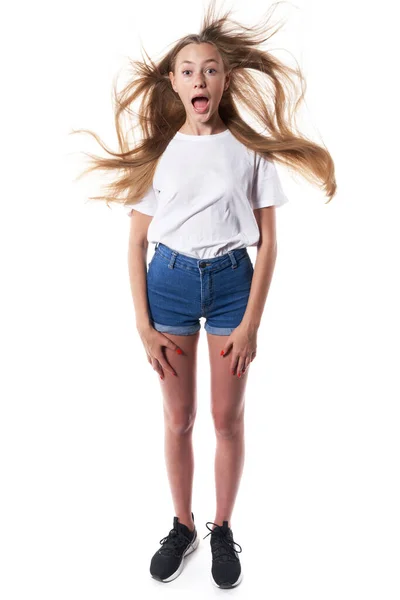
(233, 585)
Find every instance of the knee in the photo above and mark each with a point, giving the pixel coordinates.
(180, 423)
(227, 426)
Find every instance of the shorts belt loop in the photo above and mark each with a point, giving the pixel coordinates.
(156, 245)
(233, 259)
(172, 261)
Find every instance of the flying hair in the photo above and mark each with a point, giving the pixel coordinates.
(267, 89)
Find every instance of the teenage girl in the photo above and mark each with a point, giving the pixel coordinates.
(203, 186)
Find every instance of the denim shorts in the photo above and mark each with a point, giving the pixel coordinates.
(182, 289)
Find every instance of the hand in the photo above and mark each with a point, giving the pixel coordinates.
(243, 343)
(153, 342)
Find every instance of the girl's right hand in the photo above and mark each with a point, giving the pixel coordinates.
(153, 342)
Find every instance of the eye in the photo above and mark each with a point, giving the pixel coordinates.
(188, 71)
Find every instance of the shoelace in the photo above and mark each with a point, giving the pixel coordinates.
(173, 542)
(222, 546)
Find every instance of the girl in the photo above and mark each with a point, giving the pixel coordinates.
(202, 185)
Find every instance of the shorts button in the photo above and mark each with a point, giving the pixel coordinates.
(202, 264)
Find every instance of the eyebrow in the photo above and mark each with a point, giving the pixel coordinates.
(192, 63)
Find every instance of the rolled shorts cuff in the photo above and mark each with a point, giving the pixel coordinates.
(176, 330)
(218, 330)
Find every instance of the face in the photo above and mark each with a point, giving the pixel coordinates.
(199, 70)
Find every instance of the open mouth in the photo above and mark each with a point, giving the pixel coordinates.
(200, 104)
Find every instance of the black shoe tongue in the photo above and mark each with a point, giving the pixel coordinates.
(180, 526)
(224, 528)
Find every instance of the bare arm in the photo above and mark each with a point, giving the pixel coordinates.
(137, 265)
(263, 268)
(153, 340)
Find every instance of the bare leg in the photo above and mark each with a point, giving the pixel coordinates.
(180, 467)
(229, 463)
(180, 405)
(227, 402)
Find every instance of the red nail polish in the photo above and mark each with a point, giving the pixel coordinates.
(179, 351)
(222, 353)
(239, 375)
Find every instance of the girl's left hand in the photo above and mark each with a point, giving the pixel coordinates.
(243, 343)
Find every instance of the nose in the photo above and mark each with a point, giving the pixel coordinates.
(200, 81)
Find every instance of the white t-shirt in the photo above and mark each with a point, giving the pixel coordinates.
(204, 191)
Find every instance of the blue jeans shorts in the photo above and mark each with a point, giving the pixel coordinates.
(182, 289)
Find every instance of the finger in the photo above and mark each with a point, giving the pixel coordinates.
(234, 365)
(246, 364)
(240, 366)
(226, 348)
(157, 368)
(166, 366)
(171, 345)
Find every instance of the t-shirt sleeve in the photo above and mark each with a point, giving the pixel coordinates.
(267, 188)
(146, 205)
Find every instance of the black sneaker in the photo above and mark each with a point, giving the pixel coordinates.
(226, 571)
(167, 562)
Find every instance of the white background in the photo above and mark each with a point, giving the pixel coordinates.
(85, 497)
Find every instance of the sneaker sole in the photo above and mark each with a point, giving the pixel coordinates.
(225, 587)
(191, 548)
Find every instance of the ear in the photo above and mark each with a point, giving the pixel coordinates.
(227, 81)
(172, 80)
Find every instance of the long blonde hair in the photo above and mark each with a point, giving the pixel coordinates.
(161, 112)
